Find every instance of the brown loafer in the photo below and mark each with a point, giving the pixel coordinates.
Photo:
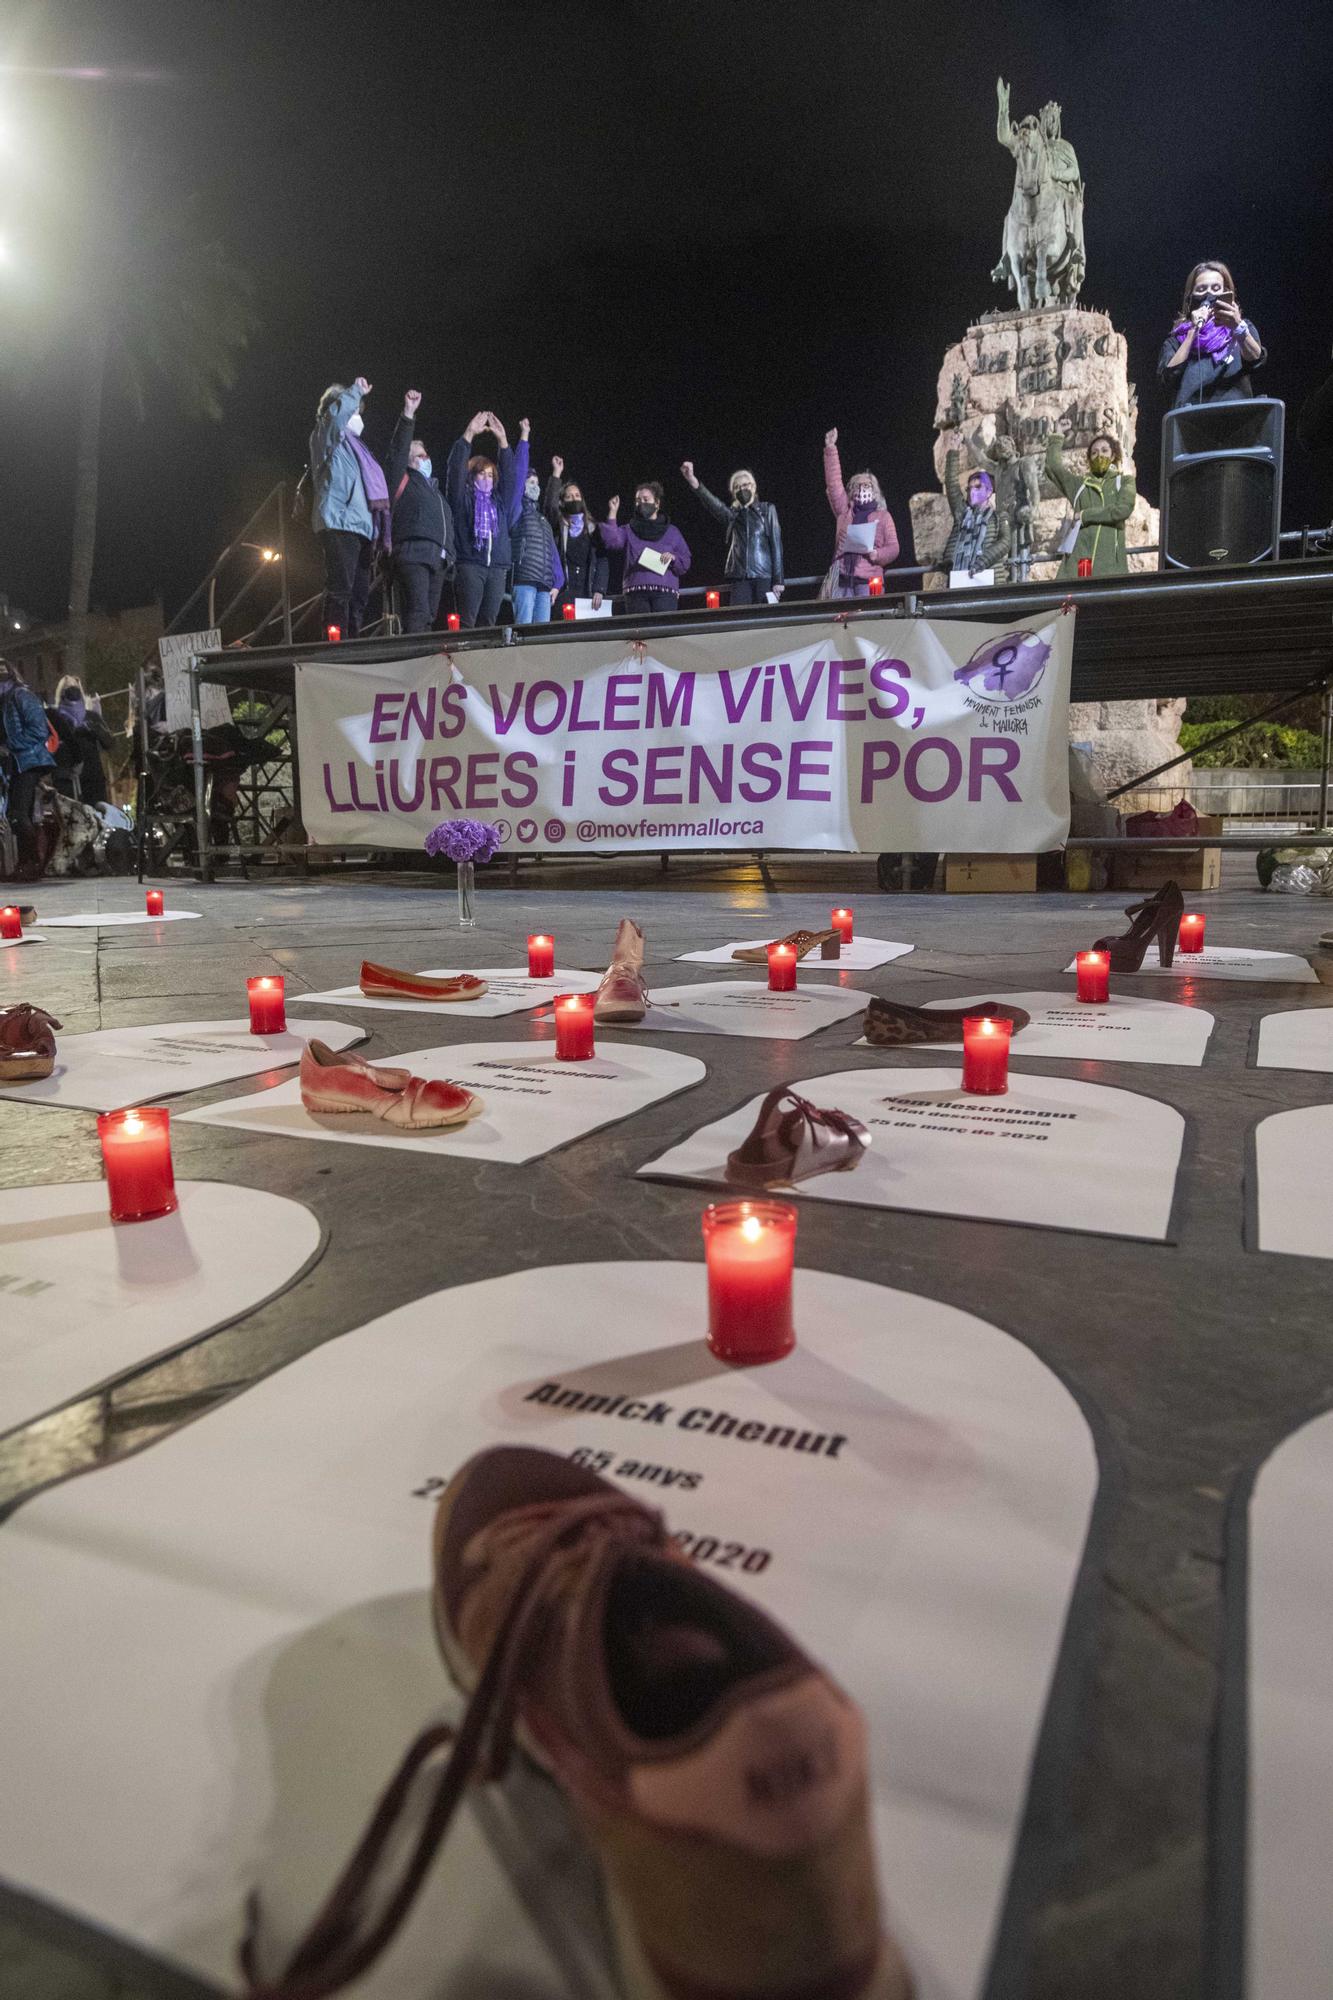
(889, 1024)
(27, 1043)
(793, 1140)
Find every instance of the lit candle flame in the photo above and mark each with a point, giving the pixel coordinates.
(133, 1122)
(752, 1229)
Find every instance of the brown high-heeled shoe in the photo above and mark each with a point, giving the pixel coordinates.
(801, 942)
(1158, 916)
(890, 1024)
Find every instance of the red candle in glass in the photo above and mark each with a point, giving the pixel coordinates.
(1191, 932)
(781, 969)
(454, 622)
(1085, 566)
(268, 1008)
(713, 599)
(333, 633)
(155, 902)
(876, 586)
(136, 1152)
(750, 1247)
(841, 922)
(986, 1055)
(569, 613)
(11, 923)
(573, 1027)
(541, 956)
(1093, 969)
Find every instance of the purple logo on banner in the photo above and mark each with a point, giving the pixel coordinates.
(1007, 668)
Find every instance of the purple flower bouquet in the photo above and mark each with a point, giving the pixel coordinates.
(464, 842)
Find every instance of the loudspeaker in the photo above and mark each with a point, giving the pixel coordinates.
(1222, 483)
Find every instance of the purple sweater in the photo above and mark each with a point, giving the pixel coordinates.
(672, 543)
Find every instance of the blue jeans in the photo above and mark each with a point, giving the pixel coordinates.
(532, 604)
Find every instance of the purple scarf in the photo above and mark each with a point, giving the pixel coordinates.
(377, 492)
(1212, 338)
(75, 708)
(485, 516)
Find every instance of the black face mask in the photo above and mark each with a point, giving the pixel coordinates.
(646, 513)
(744, 495)
(571, 507)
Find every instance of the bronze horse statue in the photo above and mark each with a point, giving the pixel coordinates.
(1042, 258)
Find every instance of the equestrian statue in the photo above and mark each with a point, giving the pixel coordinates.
(1042, 259)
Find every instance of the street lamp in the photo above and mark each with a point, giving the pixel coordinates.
(264, 553)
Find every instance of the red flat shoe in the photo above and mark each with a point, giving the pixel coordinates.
(334, 1086)
(383, 982)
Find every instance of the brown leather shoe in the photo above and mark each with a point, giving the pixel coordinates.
(27, 1043)
(889, 1024)
(718, 1772)
(793, 1140)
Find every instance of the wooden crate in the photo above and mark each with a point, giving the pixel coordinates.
(1197, 869)
(989, 874)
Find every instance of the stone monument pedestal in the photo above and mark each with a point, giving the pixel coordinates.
(1015, 380)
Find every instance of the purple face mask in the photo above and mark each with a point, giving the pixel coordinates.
(484, 482)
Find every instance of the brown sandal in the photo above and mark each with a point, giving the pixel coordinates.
(792, 1140)
(27, 1043)
(801, 942)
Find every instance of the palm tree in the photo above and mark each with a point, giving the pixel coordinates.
(156, 299)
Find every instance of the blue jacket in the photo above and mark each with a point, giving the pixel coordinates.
(26, 728)
(458, 492)
(338, 493)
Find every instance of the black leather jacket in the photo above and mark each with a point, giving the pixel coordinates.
(754, 536)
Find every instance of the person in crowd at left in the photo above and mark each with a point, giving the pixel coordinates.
(350, 510)
(26, 731)
(83, 713)
(575, 532)
(481, 491)
(1101, 501)
(657, 555)
(867, 541)
(423, 525)
(539, 575)
(753, 564)
(1212, 351)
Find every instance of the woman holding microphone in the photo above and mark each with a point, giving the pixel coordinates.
(1211, 352)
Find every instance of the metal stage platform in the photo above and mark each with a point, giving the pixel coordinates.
(1265, 630)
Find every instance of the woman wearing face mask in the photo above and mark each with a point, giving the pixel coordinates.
(349, 509)
(484, 499)
(867, 541)
(1212, 350)
(1101, 501)
(656, 554)
(583, 562)
(753, 565)
(973, 554)
(539, 575)
(83, 713)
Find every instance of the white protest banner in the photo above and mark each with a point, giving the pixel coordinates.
(898, 734)
(176, 651)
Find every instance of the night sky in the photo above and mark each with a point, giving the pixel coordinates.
(659, 230)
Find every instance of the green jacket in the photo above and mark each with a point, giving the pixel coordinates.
(1102, 505)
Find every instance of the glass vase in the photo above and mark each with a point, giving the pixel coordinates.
(467, 918)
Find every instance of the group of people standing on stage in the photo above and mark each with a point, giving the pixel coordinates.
(494, 528)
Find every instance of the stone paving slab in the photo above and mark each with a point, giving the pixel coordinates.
(1193, 1361)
